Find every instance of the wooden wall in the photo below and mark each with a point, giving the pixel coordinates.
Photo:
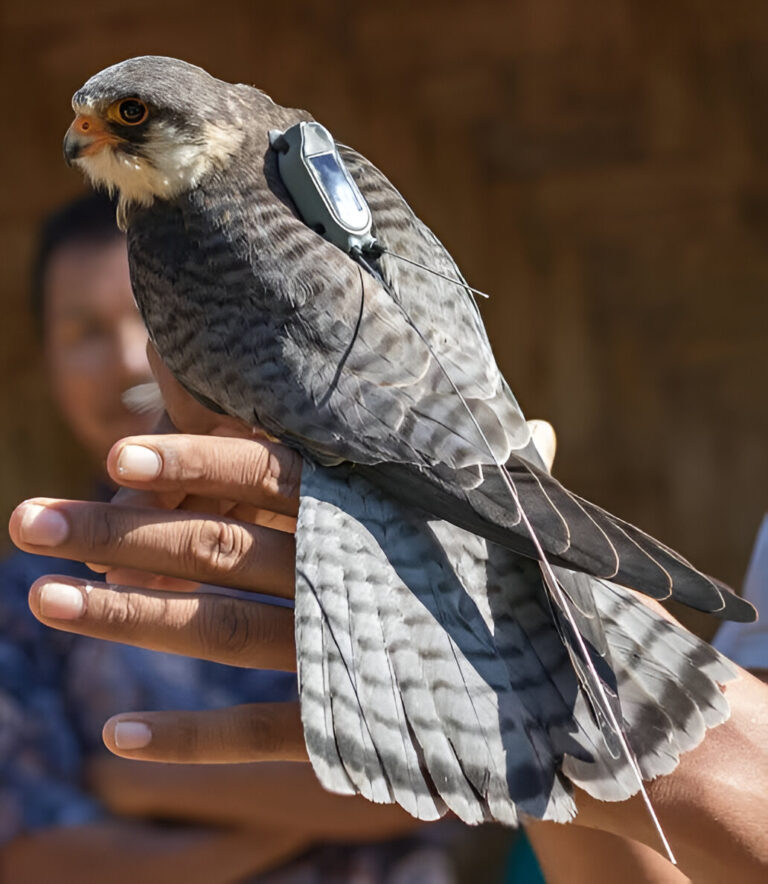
(598, 165)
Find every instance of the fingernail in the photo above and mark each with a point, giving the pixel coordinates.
(132, 735)
(42, 526)
(138, 463)
(61, 601)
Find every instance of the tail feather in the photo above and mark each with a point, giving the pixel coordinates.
(380, 706)
(433, 674)
(400, 615)
(314, 688)
(360, 755)
(669, 680)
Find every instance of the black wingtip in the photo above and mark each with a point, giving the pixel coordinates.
(735, 607)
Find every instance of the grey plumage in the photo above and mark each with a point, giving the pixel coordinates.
(435, 669)
(487, 685)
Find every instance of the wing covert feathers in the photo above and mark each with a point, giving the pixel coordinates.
(574, 533)
(432, 673)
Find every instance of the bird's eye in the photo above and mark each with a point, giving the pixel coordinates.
(132, 111)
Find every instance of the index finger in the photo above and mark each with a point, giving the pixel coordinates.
(255, 471)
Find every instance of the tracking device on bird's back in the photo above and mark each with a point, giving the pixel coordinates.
(319, 183)
(329, 201)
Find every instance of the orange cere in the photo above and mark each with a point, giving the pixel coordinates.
(91, 129)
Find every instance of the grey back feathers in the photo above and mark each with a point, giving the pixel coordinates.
(435, 670)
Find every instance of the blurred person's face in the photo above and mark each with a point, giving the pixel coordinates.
(94, 341)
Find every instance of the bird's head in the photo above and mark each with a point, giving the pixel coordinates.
(152, 127)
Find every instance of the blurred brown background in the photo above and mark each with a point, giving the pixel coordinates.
(598, 165)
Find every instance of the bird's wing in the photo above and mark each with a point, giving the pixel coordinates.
(435, 298)
(574, 532)
(255, 312)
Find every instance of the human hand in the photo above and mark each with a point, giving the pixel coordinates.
(280, 796)
(218, 493)
(198, 479)
(249, 474)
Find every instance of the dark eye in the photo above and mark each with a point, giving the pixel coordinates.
(132, 111)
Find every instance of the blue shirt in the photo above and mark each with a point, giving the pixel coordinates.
(57, 689)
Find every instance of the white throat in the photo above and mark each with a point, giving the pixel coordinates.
(172, 165)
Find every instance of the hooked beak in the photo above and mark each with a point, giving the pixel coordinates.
(86, 136)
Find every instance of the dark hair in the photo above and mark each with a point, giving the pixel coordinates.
(88, 219)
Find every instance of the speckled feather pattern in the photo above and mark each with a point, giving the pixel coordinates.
(435, 671)
(256, 313)
(465, 634)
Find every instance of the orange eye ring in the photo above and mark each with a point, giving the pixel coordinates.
(128, 112)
